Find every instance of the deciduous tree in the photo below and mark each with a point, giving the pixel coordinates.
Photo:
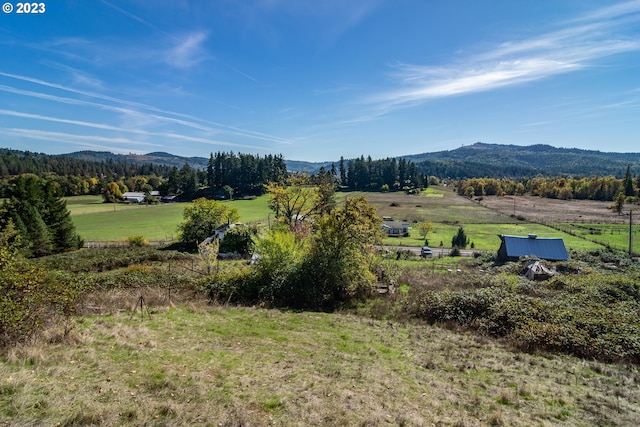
(202, 217)
(424, 228)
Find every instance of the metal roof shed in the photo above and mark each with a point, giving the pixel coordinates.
(549, 248)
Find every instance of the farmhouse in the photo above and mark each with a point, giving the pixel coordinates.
(514, 247)
(396, 228)
(133, 197)
(219, 232)
(138, 196)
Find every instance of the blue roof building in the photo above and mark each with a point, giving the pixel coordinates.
(548, 248)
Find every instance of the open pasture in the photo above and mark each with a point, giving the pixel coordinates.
(436, 204)
(97, 221)
(540, 209)
(209, 365)
(82, 205)
(588, 219)
(485, 236)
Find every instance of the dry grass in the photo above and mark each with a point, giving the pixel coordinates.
(209, 365)
(539, 209)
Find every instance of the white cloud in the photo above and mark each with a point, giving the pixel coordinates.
(137, 111)
(164, 135)
(188, 51)
(577, 46)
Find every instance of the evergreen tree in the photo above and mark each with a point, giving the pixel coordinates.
(460, 240)
(211, 171)
(628, 183)
(40, 215)
(343, 172)
(58, 219)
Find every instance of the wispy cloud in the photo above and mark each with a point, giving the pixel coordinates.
(188, 51)
(132, 108)
(105, 127)
(81, 140)
(135, 18)
(578, 45)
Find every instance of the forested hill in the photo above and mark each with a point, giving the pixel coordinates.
(495, 160)
(477, 160)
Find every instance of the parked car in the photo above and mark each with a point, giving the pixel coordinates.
(426, 252)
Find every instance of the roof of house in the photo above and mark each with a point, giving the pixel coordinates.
(549, 248)
(132, 194)
(395, 224)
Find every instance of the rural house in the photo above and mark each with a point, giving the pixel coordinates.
(138, 196)
(395, 228)
(133, 197)
(513, 248)
(219, 232)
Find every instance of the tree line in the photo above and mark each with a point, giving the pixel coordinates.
(388, 174)
(15, 162)
(606, 188)
(238, 174)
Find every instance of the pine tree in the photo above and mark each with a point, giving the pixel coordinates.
(628, 183)
(58, 219)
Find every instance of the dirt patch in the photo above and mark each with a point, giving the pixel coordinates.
(539, 209)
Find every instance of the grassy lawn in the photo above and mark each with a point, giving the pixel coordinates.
(254, 210)
(485, 236)
(155, 222)
(614, 235)
(97, 221)
(233, 366)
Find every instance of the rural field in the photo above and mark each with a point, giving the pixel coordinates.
(460, 342)
(208, 365)
(583, 225)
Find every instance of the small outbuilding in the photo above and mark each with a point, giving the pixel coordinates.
(513, 248)
(133, 197)
(536, 271)
(396, 228)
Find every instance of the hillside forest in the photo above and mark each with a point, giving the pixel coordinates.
(228, 174)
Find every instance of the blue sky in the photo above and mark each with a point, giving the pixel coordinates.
(319, 79)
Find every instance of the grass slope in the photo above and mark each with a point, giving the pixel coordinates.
(228, 366)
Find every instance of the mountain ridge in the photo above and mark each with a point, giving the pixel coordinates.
(475, 160)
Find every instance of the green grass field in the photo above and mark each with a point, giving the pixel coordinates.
(485, 236)
(614, 235)
(97, 221)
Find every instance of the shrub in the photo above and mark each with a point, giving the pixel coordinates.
(138, 241)
(29, 298)
(239, 239)
(97, 260)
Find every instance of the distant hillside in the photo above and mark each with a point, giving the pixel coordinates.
(161, 158)
(477, 160)
(495, 160)
(157, 158)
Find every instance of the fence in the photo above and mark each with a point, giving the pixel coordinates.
(124, 243)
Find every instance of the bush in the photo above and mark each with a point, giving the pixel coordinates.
(97, 260)
(138, 241)
(239, 239)
(29, 298)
